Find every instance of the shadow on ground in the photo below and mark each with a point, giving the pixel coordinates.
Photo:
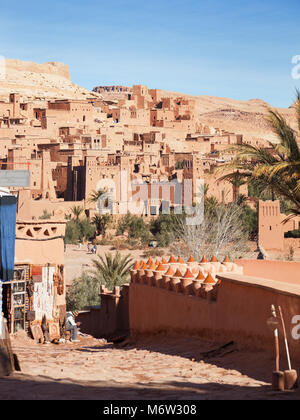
(255, 364)
(24, 387)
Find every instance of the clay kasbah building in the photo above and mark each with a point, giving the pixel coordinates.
(149, 241)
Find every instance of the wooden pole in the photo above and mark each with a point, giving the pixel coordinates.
(290, 376)
(285, 338)
(277, 376)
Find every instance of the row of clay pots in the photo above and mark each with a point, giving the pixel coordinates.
(197, 273)
(187, 286)
(212, 268)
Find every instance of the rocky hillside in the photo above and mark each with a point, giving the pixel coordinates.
(41, 81)
(247, 117)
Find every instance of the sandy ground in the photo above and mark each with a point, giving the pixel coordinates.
(160, 367)
(78, 260)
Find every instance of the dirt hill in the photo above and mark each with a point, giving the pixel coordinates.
(40, 81)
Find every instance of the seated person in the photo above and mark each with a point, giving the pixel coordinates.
(71, 325)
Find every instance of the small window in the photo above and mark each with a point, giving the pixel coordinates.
(153, 211)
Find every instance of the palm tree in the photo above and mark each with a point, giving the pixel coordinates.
(210, 202)
(275, 169)
(113, 270)
(205, 190)
(77, 211)
(241, 199)
(101, 221)
(95, 195)
(237, 180)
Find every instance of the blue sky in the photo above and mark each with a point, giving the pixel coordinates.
(226, 48)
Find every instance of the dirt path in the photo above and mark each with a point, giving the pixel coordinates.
(153, 368)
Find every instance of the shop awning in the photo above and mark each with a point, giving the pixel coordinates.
(8, 211)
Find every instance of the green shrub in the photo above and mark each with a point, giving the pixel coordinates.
(135, 227)
(104, 242)
(124, 224)
(133, 244)
(292, 234)
(250, 221)
(72, 232)
(102, 222)
(119, 244)
(154, 252)
(87, 230)
(165, 228)
(46, 215)
(79, 230)
(83, 293)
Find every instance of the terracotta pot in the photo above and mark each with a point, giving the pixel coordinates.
(175, 283)
(133, 275)
(185, 285)
(139, 276)
(202, 293)
(165, 283)
(158, 275)
(148, 277)
(196, 287)
(207, 287)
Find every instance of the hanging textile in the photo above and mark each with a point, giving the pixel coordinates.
(8, 212)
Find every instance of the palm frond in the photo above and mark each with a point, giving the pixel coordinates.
(112, 270)
(285, 134)
(293, 213)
